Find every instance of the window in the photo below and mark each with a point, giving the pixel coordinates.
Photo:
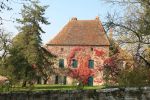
(62, 49)
(60, 79)
(65, 80)
(91, 49)
(90, 81)
(91, 64)
(74, 63)
(61, 63)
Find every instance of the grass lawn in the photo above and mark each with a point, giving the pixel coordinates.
(39, 87)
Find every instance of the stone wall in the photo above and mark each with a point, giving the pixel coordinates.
(103, 94)
(62, 52)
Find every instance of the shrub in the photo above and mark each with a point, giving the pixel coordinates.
(139, 76)
(5, 87)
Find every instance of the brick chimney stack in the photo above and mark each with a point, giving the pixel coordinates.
(97, 18)
(74, 18)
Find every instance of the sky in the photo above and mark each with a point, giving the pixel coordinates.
(59, 13)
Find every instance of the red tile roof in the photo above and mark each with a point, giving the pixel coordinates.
(81, 32)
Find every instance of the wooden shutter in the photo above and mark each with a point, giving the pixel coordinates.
(91, 63)
(61, 63)
(74, 63)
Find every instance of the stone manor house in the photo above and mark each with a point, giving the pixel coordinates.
(89, 34)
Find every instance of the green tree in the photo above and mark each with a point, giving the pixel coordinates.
(21, 69)
(26, 51)
(133, 78)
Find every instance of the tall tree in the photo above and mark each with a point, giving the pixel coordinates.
(26, 49)
(133, 27)
(32, 17)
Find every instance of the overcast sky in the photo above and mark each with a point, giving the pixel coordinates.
(60, 12)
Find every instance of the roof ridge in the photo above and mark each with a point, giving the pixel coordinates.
(76, 32)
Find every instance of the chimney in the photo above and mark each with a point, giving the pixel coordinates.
(74, 18)
(97, 18)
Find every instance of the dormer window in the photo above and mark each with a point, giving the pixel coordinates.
(74, 63)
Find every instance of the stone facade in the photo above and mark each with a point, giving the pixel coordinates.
(62, 52)
(87, 34)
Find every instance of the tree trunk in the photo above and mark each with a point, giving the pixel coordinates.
(39, 80)
(45, 81)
